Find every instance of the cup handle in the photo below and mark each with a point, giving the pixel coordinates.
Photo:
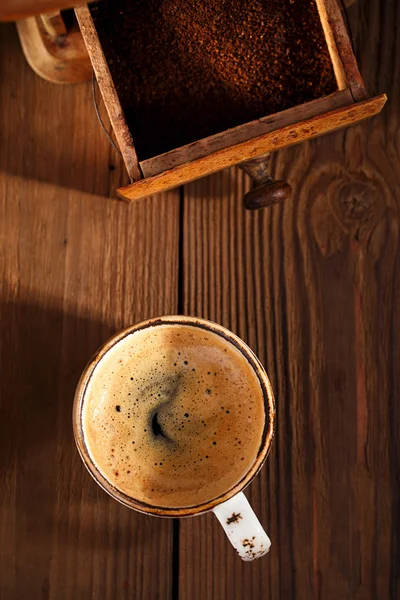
(242, 527)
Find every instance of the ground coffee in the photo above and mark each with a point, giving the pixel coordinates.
(187, 69)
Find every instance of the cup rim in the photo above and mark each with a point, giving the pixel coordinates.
(267, 437)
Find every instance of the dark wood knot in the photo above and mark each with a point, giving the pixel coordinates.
(358, 201)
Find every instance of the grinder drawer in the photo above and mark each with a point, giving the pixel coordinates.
(194, 86)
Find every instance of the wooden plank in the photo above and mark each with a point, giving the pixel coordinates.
(109, 93)
(313, 286)
(62, 140)
(340, 48)
(243, 133)
(287, 136)
(74, 268)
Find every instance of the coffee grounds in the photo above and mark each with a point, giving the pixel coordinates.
(187, 69)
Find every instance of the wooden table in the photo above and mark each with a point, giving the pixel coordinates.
(313, 286)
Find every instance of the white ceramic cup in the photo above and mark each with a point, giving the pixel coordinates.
(232, 509)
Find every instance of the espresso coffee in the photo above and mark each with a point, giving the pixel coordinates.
(173, 415)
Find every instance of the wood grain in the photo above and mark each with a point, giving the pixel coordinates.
(268, 142)
(340, 48)
(74, 268)
(109, 93)
(313, 287)
(50, 134)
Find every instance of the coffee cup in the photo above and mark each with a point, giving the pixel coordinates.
(174, 417)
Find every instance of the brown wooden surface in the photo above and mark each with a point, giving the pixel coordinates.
(74, 268)
(313, 286)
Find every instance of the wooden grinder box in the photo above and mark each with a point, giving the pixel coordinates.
(195, 86)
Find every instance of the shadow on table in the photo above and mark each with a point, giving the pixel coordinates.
(42, 355)
(50, 132)
(54, 517)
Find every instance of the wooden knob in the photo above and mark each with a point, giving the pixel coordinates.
(265, 191)
(266, 195)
